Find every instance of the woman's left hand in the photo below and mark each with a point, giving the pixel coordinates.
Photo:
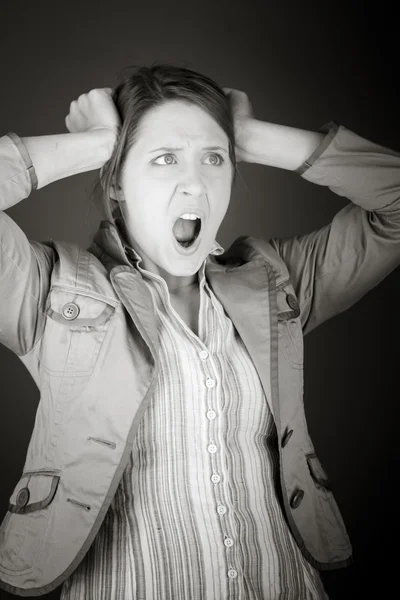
(242, 112)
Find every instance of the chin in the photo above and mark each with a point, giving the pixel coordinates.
(184, 271)
(186, 266)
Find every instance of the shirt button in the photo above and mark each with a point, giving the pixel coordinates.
(210, 382)
(211, 414)
(221, 509)
(70, 311)
(203, 354)
(232, 573)
(215, 478)
(228, 542)
(212, 448)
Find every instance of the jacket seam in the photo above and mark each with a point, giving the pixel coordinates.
(22, 272)
(34, 345)
(26, 157)
(330, 130)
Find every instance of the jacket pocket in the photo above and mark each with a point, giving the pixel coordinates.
(75, 330)
(327, 514)
(289, 327)
(23, 528)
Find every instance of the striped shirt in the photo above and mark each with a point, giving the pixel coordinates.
(196, 515)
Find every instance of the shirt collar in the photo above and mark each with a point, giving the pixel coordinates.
(134, 257)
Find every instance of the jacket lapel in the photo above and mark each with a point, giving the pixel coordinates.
(247, 293)
(136, 297)
(246, 290)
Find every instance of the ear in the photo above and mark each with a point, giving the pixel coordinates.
(116, 192)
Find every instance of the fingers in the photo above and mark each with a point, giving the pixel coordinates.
(93, 110)
(240, 103)
(68, 124)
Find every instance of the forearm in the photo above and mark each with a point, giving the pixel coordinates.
(278, 145)
(62, 155)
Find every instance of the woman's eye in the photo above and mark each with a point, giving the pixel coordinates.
(168, 159)
(220, 159)
(166, 156)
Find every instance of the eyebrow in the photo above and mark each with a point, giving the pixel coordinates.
(174, 149)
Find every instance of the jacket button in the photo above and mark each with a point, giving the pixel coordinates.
(292, 301)
(22, 497)
(70, 311)
(297, 499)
(286, 437)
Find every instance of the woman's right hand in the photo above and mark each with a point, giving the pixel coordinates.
(94, 110)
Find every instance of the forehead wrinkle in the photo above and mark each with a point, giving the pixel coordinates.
(158, 129)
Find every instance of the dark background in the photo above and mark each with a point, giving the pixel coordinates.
(301, 64)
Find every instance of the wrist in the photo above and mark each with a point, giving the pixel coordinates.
(278, 145)
(58, 156)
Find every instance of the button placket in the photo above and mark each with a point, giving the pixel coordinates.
(213, 449)
(218, 488)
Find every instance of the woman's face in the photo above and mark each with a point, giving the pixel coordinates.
(179, 164)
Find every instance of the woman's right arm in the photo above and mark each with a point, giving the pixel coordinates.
(25, 267)
(27, 164)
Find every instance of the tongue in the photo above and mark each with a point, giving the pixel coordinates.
(184, 229)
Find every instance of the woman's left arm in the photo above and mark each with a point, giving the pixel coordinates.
(333, 267)
(276, 145)
(268, 143)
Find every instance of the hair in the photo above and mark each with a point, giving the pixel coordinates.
(147, 88)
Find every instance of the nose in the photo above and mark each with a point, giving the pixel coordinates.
(191, 182)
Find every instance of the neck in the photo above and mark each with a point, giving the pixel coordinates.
(185, 289)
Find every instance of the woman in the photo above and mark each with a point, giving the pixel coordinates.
(170, 456)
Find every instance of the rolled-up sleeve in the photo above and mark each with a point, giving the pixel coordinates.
(333, 267)
(25, 266)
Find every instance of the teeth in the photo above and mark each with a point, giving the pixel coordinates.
(190, 216)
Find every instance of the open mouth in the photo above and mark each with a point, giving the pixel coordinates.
(187, 231)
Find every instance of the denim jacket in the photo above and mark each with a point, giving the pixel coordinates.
(82, 322)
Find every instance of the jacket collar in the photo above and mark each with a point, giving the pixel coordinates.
(111, 247)
(240, 277)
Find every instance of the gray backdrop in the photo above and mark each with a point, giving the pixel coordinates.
(301, 64)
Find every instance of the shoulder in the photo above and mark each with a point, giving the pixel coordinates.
(77, 267)
(248, 248)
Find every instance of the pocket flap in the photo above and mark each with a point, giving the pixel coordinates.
(78, 308)
(35, 490)
(317, 471)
